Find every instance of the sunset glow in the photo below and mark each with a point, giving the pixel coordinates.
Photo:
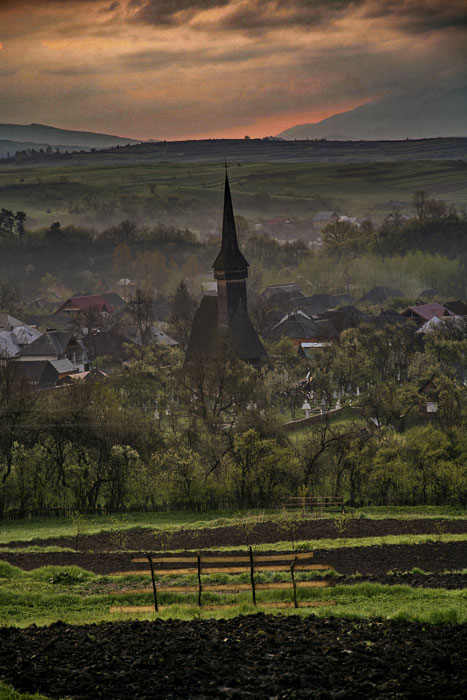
(211, 68)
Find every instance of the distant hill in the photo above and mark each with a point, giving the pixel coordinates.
(10, 147)
(416, 116)
(258, 151)
(25, 135)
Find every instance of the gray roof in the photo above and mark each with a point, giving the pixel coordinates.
(53, 343)
(63, 366)
(298, 325)
(7, 322)
(324, 216)
(379, 295)
(283, 289)
(24, 335)
(161, 337)
(8, 347)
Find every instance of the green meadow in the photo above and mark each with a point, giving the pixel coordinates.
(76, 596)
(190, 194)
(45, 528)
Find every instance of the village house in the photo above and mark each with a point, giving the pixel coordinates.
(80, 304)
(56, 346)
(379, 295)
(323, 218)
(424, 312)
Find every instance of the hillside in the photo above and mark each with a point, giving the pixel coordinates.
(259, 151)
(400, 117)
(24, 136)
(94, 193)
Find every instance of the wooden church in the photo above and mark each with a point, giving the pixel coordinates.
(224, 318)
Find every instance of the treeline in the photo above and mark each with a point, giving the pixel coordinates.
(163, 432)
(427, 250)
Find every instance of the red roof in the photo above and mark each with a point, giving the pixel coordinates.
(427, 311)
(84, 303)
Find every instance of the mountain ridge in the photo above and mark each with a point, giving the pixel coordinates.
(421, 115)
(44, 135)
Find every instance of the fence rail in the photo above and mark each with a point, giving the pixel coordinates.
(251, 563)
(311, 502)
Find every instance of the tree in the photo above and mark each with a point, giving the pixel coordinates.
(182, 311)
(55, 233)
(123, 263)
(9, 297)
(20, 218)
(17, 420)
(218, 389)
(419, 199)
(262, 470)
(141, 310)
(339, 237)
(7, 221)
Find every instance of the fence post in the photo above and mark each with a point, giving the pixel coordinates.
(293, 583)
(154, 590)
(252, 576)
(199, 579)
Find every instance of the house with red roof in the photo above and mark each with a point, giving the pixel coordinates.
(90, 302)
(425, 312)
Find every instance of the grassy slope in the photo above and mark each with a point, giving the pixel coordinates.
(8, 693)
(184, 191)
(45, 528)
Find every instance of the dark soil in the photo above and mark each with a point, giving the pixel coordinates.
(258, 656)
(254, 533)
(373, 563)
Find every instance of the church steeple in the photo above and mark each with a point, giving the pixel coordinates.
(229, 257)
(230, 267)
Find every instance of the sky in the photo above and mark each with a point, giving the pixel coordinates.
(182, 69)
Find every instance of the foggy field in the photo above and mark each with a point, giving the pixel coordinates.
(189, 194)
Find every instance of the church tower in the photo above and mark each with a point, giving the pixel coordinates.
(224, 318)
(230, 267)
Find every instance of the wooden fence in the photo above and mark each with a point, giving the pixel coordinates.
(204, 564)
(312, 502)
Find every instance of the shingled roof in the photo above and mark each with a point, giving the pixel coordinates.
(229, 256)
(49, 344)
(206, 336)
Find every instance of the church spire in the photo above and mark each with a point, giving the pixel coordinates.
(229, 257)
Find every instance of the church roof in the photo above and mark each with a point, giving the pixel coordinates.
(245, 339)
(204, 330)
(229, 256)
(206, 334)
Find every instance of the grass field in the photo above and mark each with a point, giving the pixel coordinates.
(9, 693)
(43, 528)
(190, 194)
(40, 597)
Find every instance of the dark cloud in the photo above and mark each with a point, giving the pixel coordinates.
(421, 16)
(154, 60)
(259, 15)
(72, 71)
(262, 15)
(168, 12)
